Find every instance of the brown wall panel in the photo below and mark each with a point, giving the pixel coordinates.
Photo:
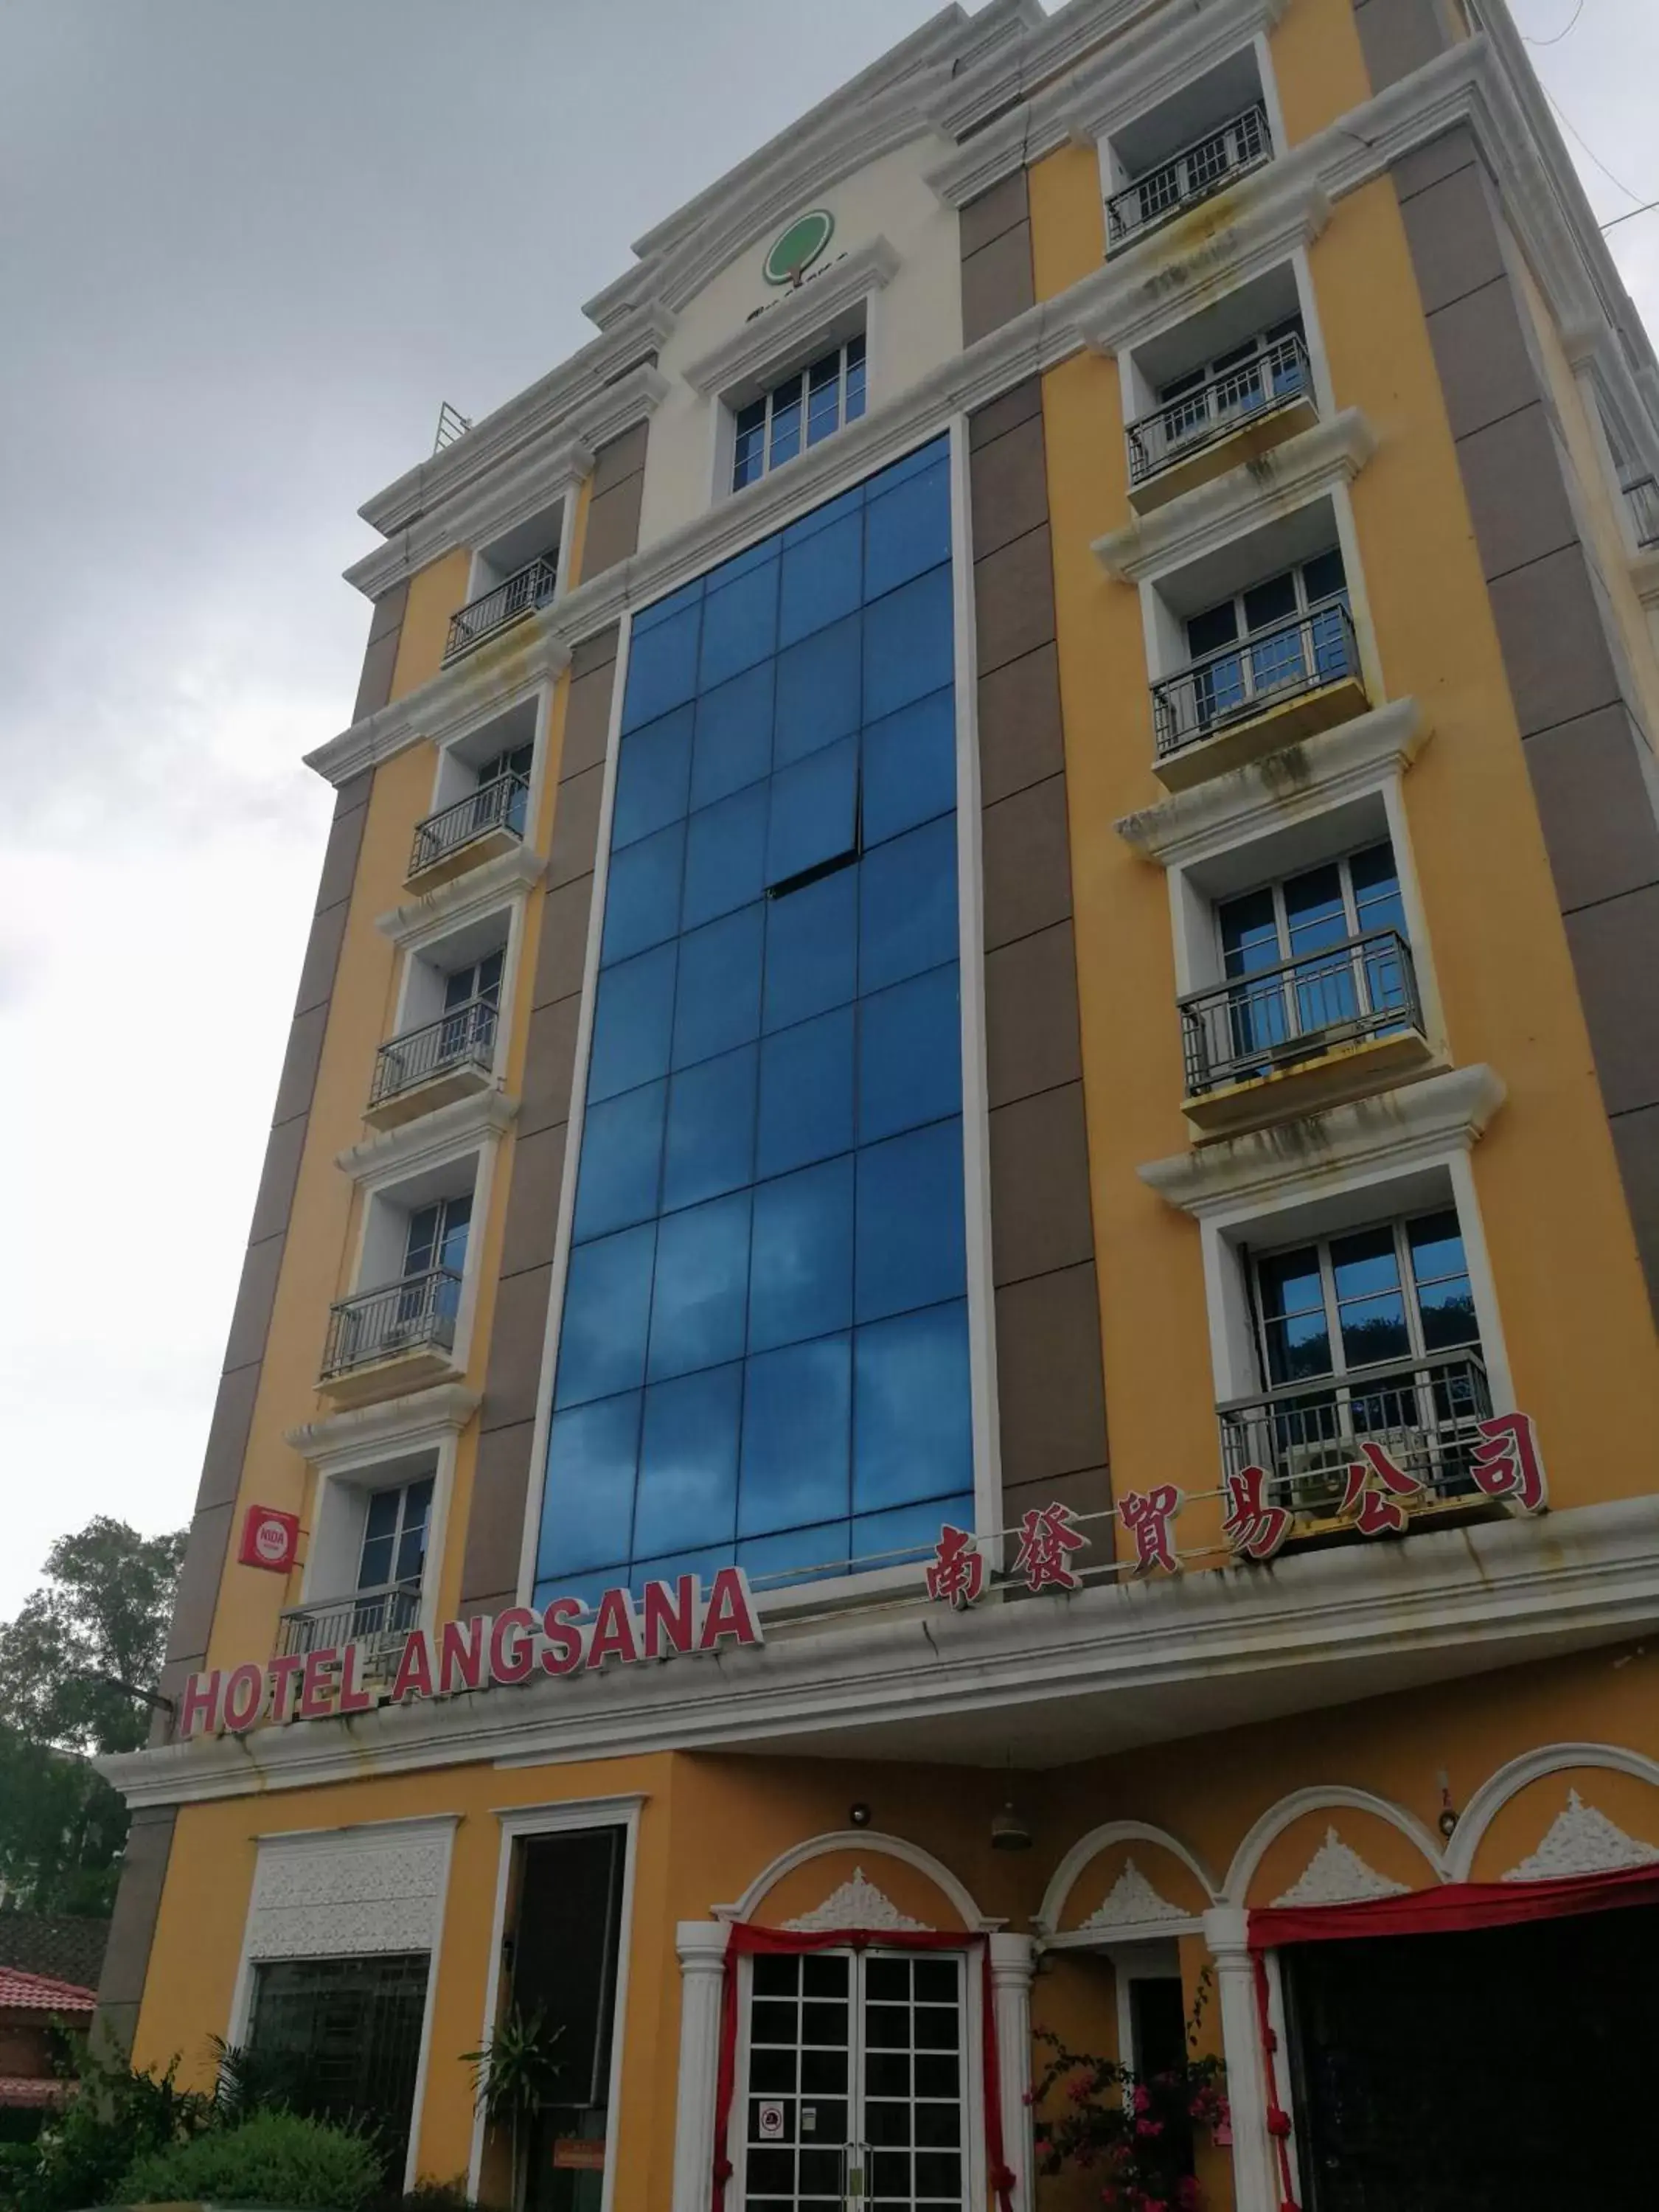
(997, 283)
(1398, 36)
(132, 1929)
(613, 507)
(385, 627)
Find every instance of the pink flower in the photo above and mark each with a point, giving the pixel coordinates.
(1143, 2097)
(1028, 2097)
(1078, 2089)
(1149, 2127)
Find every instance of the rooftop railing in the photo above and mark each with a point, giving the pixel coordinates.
(1206, 167)
(390, 1610)
(532, 587)
(1272, 1019)
(1279, 662)
(501, 803)
(404, 1316)
(1305, 1436)
(1214, 410)
(463, 1038)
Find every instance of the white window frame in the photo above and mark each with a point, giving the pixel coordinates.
(735, 409)
(401, 1188)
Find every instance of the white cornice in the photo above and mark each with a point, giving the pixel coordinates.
(759, 344)
(464, 898)
(1097, 1671)
(1043, 57)
(431, 1141)
(1389, 1134)
(483, 683)
(1156, 59)
(422, 1417)
(1308, 777)
(1201, 521)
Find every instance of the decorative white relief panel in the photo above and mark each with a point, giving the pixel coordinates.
(363, 1890)
(1336, 1874)
(1131, 1902)
(856, 1904)
(1581, 1840)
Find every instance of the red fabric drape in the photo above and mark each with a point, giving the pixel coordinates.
(1457, 1905)
(747, 1939)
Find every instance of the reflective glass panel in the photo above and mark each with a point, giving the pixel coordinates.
(688, 1493)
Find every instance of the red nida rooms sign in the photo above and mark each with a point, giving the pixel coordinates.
(672, 1620)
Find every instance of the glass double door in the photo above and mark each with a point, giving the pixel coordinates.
(856, 2083)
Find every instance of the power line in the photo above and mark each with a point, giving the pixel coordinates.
(1647, 208)
(1588, 148)
(1559, 35)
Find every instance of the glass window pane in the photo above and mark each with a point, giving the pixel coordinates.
(1322, 577)
(814, 816)
(820, 578)
(811, 949)
(855, 381)
(1447, 1312)
(1209, 631)
(702, 1294)
(588, 1509)
(381, 1519)
(797, 1417)
(909, 1249)
(785, 424)
(909, 767)
(907, 644)
(710, 1144)
(740, 623)
(911, 1531)
(642, 893)
(733, 747)
(662, 667)
(818, 691)
(1437, 1246)
(632, 1015)
(907, 529)
(1374, 1330)
(420, 1242)
(801, 1271)
(725, 856)
(806, 1093)
(621, 1161)
(822, 413)
(718, 1003)
(705, 1563)
(909, 1054)
(1270, 601)
(688, 1493)
(774, 1562)
(912, 1432)
(607, 1303)
(1365, 1265)
(653, 774)
(375, 1567)
(907, 905)
(1313, 911)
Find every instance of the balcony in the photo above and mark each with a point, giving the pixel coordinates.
(380, 1618)
(491, 613)
(1306, 1438)
(1335, 1025)
(1642, 498)
(1220, 424)
(1196, 173)
(433, 1065)
(400, 1337)
(488, 821)
(1270, 689)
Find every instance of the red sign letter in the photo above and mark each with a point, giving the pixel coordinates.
(413, 1676)
(512, 1664)
(562, 1654)
(671, 1624)
(731, 1612)
(199, 1706)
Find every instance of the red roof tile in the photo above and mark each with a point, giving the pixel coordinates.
(22, 1992)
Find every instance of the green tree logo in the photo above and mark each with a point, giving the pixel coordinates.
(794, 252)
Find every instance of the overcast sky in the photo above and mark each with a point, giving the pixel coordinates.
(247, 248)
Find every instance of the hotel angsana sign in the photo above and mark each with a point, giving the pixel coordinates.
(670, 1620)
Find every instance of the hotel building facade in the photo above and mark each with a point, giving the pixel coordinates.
(949, 1333)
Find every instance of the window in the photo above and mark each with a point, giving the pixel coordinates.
(802, 410)
(434, 1257)
(1295, 627)
(504, 785)
(394, 1537)
(1196, 171)
(339, 2040)
(763, 1351)
(1271, 365)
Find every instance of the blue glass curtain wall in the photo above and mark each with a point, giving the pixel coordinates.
(763, 1351)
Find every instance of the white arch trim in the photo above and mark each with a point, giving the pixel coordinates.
(1064, 1878)
(1319, 1798)
(1496, 1791)
(862, 1840)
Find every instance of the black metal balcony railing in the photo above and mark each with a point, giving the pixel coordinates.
(501, 803)
(391, 1611)
(1214, 410)
(1643, 494)
(402, 1317)
(1305, 1436)
(1269, 665)
(1365, 986)
(532, 587)
(463, 1038)
(1194, 174)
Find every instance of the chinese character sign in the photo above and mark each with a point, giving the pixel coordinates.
(1506, 1463)
(957, 1574)
(1047, 1539)
(1146, 1516)
(1253, 1528)
(1374, 1493)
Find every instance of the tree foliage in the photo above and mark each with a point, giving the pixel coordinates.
(99, 1617)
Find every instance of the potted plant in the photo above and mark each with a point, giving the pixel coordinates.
(514, 2073)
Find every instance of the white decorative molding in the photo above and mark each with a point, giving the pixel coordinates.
(463, 898)
(1153, 61)
(1582, 1840)
(1325, 1797)
(1412, 1126)
(474, 688)
(1517, 1774)
(1308, 777)
(857, 1904)
(1089, 1847)
(338, 1442)
(1336, 1874)
(355, 1890)
(855, 1839)
(765, 344)
(429, 1141)
(1202, 521)
(1131, 1902)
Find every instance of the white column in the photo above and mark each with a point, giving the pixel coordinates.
(1255, 2162)
(1013, 1959)
(702, 1946)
